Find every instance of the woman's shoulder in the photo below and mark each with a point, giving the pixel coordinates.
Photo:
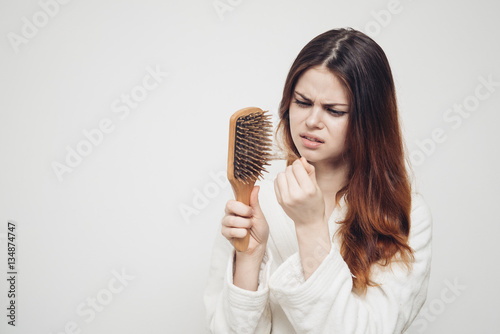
(419, 208)
(421, 221)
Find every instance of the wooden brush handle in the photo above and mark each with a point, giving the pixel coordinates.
(242, 193)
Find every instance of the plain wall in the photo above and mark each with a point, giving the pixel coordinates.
(145, 199)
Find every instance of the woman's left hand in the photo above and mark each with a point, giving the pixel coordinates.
(299, 195)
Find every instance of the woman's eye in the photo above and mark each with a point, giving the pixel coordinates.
(336, 112)
(302, 103)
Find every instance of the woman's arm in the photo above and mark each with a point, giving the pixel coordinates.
(314, 246)
(230, 309)
(300, 197)
(325, 302)
(236, 296)
(246, 270)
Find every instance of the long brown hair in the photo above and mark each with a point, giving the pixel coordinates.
(378, 190)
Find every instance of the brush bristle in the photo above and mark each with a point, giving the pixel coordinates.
(252, 146)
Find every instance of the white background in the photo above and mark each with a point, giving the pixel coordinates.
(120, 208)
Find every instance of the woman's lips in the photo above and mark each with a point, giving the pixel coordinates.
(311, 141)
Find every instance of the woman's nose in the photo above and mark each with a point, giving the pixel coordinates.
(314, 118)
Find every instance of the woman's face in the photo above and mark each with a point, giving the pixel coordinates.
(318, 116)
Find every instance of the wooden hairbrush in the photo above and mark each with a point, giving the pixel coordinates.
(249, 151)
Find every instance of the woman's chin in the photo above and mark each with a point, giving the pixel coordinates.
(313, 158)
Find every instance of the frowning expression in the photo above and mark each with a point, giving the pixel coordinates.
(319, 116)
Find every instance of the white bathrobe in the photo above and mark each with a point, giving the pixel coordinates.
(285, 303)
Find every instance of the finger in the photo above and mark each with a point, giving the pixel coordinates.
(308, 167)
(254, 200)
(301, 175)
(293, 185)
(282, 186)
(236, 208)
(236, 222)
(277, 191)
(230, 233)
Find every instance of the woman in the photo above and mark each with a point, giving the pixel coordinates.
(339, 242)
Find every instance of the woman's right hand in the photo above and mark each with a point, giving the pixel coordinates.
(241, 219)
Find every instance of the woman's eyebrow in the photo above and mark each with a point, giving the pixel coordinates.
(303, 96)
(325, 105)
